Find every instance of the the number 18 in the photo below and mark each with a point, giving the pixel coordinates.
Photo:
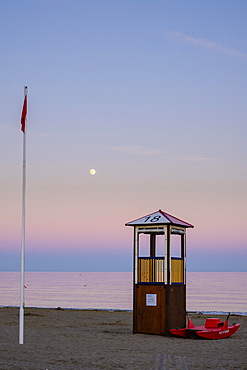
(154, 219)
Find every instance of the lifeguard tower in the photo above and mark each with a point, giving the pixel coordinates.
(159, 302)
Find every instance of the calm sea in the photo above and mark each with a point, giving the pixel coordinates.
(206, 291)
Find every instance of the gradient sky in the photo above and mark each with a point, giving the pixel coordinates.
(152, 94)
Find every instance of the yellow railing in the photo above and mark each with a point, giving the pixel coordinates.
(151, 270)
(177, 268)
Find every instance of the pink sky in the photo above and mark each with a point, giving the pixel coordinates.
(153, 98)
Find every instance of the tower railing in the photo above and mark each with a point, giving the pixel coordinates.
(151, 270)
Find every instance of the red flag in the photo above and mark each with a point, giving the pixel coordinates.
(24, 114)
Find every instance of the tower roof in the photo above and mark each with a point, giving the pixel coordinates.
(159, 218)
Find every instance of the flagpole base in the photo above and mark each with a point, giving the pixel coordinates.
(21, 326)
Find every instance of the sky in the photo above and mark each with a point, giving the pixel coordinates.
(152, 95)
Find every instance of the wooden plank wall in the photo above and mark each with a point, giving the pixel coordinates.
(169, 313)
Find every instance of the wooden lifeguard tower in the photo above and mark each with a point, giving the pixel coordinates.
(159, 302)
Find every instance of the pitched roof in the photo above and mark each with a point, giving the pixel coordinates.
(159, 218)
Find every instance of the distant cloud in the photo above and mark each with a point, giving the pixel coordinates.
(44, 135)
(206, 44)
(197, 159)
(135, 149)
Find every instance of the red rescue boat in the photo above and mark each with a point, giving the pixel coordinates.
(213, 328)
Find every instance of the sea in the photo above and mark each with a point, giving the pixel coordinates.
(207, 292)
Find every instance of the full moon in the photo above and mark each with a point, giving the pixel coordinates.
(92, 171)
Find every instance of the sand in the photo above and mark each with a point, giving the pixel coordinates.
(82, 339)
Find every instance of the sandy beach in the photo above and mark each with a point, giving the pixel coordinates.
(83, 339)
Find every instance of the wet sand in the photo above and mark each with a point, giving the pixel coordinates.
(82, 339)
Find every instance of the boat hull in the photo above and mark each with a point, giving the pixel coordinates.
(218, 334)
(219, 331)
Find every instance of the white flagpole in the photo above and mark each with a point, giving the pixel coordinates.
(21, 322)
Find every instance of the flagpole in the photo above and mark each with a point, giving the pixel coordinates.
(23, 123)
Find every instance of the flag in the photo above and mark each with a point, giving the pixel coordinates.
(24, 114)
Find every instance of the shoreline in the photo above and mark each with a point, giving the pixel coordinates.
(219, 313)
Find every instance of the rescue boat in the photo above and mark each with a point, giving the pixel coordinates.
(213, 328)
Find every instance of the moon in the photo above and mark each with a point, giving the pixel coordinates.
(92, 171)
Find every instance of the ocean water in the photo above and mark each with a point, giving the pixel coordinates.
(206, 291)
